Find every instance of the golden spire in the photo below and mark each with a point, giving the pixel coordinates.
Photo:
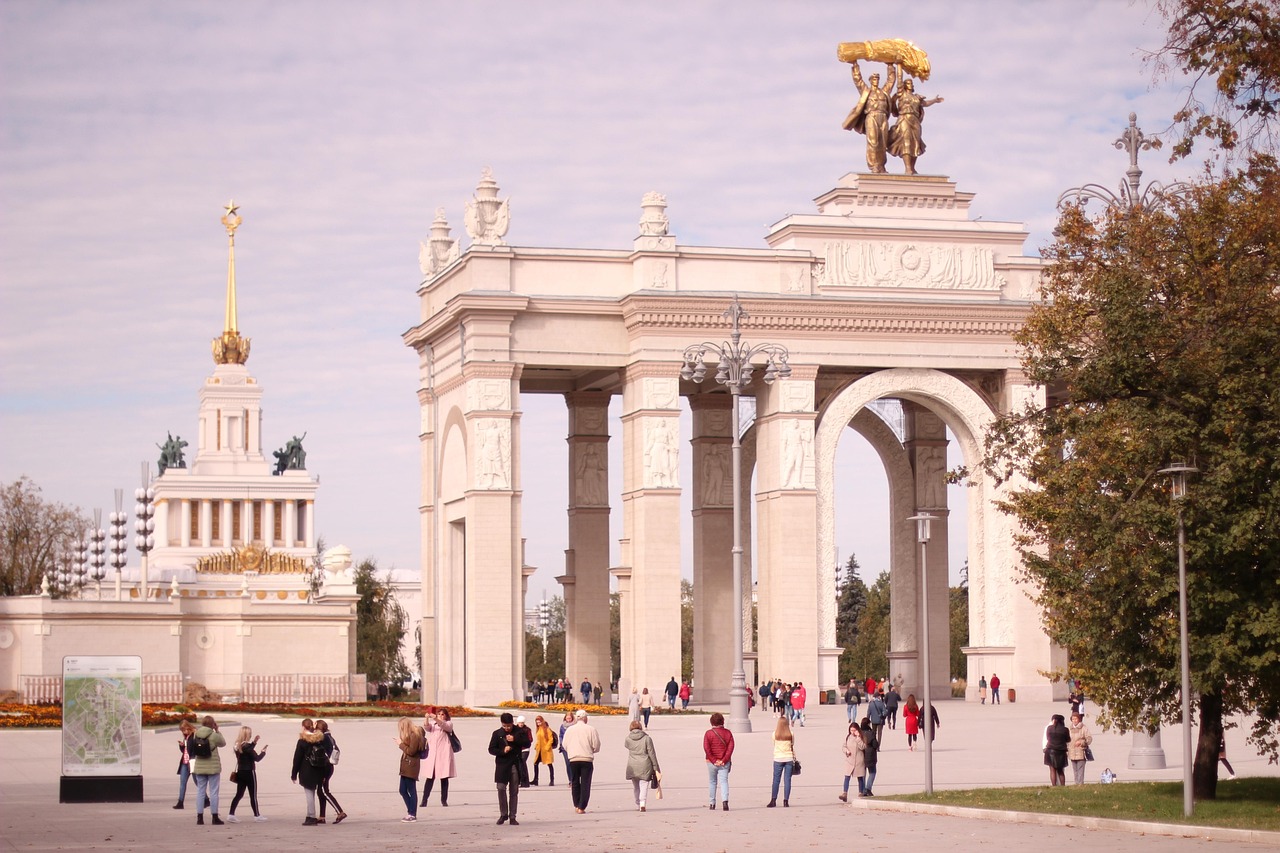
(230, 348)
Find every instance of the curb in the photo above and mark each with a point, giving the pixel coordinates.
(1173, 830)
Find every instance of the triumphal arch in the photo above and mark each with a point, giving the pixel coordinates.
(889, 290)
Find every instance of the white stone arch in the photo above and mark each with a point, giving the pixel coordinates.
(968, 417)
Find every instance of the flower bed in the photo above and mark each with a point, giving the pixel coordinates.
(15, 716)
(567, 707)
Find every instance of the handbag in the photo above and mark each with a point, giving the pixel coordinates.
(335, 755)
(233, 778)
(795, 767)
(454, 742)
(1088, 753)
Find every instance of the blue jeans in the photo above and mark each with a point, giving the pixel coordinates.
(781, 771)
(852, 712)
(645, 713)
(207, 791)
(865, 787)
(861, 787)
(184, 773)
(719, 775)
(409, 793)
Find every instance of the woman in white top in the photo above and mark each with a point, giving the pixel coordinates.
(784, 756)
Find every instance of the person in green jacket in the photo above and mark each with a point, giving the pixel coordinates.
(207, 769)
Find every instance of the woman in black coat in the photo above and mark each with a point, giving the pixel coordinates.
(1057, 737)
(247, 757)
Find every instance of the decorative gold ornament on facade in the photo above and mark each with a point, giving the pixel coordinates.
(252, 558)
(229, 347)
(900, 52)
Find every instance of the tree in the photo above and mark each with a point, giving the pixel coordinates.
(1159, 340)
(686, 630)
(850, 604)
(959, 596)
(867, 654)
(548, 665)
(380, 626)
(33, 534)
(1236, 45)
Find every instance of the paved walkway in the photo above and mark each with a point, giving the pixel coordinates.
(977, 746)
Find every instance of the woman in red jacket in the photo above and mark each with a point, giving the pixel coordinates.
(911, 714)
(717, 746)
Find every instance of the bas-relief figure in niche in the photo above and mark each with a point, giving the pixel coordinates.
(797, 455)
(590, 475)
(865, 264)
(661, 454)
(659, 281)
(931, 480)
(716, 481)
(493, 454)
(489, 395)
(660, 393)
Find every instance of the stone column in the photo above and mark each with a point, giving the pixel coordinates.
(185, 524)
(926, 446)
(206, 523)
(427, 535)
(268, 523)
(309, 520)
(586, 578)
(290, 523)
(713, 547)
(796, 594)
(225, 523)
(651, 520)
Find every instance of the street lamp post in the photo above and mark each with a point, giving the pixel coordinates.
(119, 537)
(923, 521)
(1178, 472)
(734, 370)
(145, 524)
(98, 551)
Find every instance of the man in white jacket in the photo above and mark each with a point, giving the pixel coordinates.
(581, 743)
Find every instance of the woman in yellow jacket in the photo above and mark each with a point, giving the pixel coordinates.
(544, 749)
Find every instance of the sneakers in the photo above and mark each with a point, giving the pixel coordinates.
(232, 819)
(408, 819)
(642, 808)
(259, 818)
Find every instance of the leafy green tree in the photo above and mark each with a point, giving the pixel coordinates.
(1159, 340)
(868, 653)
(850, 605)
(540, 665)
(33, 533)
(380, 626)
(1232, 46)
(959, 596)
(686, 630)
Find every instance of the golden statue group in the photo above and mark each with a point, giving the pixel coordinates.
(876, 104)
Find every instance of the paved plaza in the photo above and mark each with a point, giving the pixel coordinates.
(977, 746)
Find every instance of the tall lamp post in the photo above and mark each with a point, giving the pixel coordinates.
(145, 524)
(98, 551)
(1178, 472)
(923, 520)
(119, 537)
(734, 370)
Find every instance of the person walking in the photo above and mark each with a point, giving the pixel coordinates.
(206, 766)
(568, 721)
(685, 693)
(855, 761)
(851, 701)
(877, 712)
(326, 796)
(995, 689)
(585, 689)
(544, 749)
(646, 705)
(799, 696)
(633, 706)
(412, 743)
(505, 745)
(717, 746)
(1081, 737)
(527, 738)
(870, 756)
(1057, 739)
(642, 763)
(437, 727)
(673, 690)
(185, 730)
(247, 758)
(982, 688)
(891, 700)
(581, 742)
(784, 759)
(309, 765)
(911, 716)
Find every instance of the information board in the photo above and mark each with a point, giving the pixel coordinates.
(102, 715)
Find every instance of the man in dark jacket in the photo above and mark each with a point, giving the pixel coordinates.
(505, 745)
(673, 690)
(891, 700)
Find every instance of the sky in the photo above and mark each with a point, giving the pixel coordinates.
(339, 128)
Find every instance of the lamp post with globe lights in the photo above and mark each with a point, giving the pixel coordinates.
(119, 540)
(144, 524)
(98, 551)
(734, 370)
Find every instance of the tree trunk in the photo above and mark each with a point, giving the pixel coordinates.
(1204, 775)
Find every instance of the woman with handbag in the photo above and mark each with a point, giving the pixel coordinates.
(784, 762)
(326, 796)
(855, 761)
(411, 742)
(1078, 751)
(642, 763)
(438, 726)
(1057, 739)
(245, 776)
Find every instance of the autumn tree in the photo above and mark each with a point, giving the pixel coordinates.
(380, 626)
(1158, 340)
(868, 653)
(33, 533)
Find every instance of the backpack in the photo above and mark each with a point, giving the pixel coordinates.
(199, 747)
(555, 741)
(316, 756)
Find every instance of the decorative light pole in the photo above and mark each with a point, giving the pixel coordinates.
(544, 622)
(81, 547)
(923, 521)
(119, 537)
(1177, 472)
(734, 371)
(98, 551)
(144, 523)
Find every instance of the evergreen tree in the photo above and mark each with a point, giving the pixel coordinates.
(380, 627)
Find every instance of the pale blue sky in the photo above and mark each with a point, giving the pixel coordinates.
(341, 127)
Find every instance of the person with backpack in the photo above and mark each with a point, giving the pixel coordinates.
(206, 766)
(870, 755)
(851, 701)
(545, 743)
(310, 762)
(877, 713)
(326, 796)
(246, 775)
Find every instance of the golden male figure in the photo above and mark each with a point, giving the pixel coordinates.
(905, 139)
(870, 116)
